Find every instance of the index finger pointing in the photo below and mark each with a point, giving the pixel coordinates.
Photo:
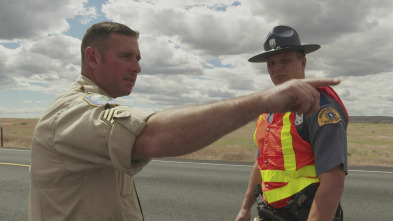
(322, 82)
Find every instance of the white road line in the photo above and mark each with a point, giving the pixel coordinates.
(11, 149)
(218, 164)
(213, 164)
(237, 165)
(369, 171)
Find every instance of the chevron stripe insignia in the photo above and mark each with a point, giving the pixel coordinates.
(108, 114)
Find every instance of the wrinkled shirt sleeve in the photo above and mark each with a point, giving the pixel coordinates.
(88, 136)
(329, 140)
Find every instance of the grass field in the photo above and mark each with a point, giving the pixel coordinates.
(368, 144)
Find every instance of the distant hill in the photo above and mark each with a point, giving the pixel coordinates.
(371, 119)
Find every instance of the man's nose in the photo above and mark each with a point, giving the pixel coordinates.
(277, 68)
(135, 67)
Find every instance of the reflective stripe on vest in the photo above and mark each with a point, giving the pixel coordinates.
(293, 179)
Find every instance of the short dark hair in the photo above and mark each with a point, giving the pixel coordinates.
(97, 35)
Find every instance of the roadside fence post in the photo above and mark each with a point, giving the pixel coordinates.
(1, 128)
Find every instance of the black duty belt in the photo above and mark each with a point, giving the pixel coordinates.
(297, 209)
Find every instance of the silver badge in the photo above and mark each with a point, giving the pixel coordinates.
(272, 43)
(298, 119)
(331, 115)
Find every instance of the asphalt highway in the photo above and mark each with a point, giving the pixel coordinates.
(178, 189)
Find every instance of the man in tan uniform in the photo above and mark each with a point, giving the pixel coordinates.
(87, 148)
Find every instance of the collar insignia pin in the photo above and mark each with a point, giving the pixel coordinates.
(298, 119)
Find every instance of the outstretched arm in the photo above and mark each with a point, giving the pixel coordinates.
(185, 130)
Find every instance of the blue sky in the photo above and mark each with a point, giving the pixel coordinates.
(195, 51)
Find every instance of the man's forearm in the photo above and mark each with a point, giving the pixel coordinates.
(328, 195)
(249, 198)
(185, 130)
(255, 178)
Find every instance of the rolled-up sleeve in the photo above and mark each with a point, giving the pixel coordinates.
(89, 137)
(127, 125)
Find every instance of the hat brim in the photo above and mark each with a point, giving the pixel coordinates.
(303, 48)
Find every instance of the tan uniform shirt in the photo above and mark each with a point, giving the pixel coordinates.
(81, 167)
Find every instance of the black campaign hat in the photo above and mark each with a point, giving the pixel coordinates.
(281, 39)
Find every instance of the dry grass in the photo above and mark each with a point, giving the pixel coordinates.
(17, 132)
(368, 144)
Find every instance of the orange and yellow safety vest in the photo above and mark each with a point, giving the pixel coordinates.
(286, 161)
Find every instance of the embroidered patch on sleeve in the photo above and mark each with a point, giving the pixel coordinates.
(109, 114)
(99, 99)
(328, 115)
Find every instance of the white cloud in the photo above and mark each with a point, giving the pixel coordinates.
(161, 56)
(199, 28)
(367, 94)
(47, 64)
(31, 112)
(180, 37)
(33, 19)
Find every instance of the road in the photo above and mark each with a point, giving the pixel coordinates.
(192, 190)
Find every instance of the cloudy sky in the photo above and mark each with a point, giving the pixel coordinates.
(196, 51)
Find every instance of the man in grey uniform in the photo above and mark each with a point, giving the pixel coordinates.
(87, 148)
(317, 145)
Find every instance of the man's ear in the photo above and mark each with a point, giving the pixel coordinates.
(91, 57)
(304, 62)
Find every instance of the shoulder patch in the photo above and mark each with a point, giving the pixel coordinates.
(328, 115)
(99, 99)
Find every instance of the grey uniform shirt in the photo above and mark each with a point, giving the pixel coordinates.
(327, 134)
(81, 167)
(326, 131)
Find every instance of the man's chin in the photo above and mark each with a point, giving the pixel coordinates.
(123, 94)
(128, 92)
(278, 82)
